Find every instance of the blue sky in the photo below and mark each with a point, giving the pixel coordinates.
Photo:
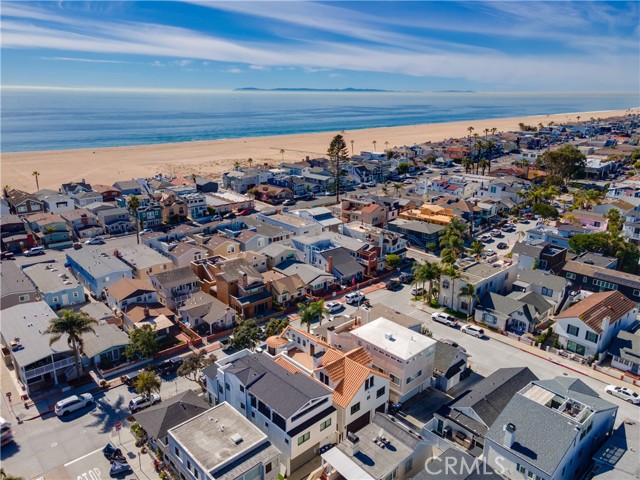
(424, 46)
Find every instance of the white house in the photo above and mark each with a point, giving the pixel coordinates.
(589, 326)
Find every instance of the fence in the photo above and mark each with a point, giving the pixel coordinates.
(625, 377)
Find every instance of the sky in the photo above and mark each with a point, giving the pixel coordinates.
(525, 46)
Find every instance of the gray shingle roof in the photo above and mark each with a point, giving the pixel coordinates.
(539, 278)
(626, 345)
(506, 305)
(167, 414)
(489, 397)
(178, 276)
(13, 280)
(343, 263)
(283, 391)
(105, 337)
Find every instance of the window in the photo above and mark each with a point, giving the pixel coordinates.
(368, 383)
(55, 299)
(268, 467)
(176, 451)
(242, 406)
(520, 468)
(380, 392)
(220, 389)
(636, 293)
(23, 298)
(395, 380)
(226, 385)
(324, 378)
(355, 408)
(325, 424)
(547, 292)
(571, 276)
(408, 465)
(573, 330)
(304, 438)
(241, 388)
(195, 473)
(75, 294)
(188, 465)
(592, 337)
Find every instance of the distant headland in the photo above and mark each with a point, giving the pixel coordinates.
(287, 89)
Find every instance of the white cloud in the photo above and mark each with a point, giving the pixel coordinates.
(260, 68)
(232, 70)
(85, 60)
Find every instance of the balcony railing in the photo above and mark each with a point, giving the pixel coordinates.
(60, 364)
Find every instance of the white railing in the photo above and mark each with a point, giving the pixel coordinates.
(48, 368)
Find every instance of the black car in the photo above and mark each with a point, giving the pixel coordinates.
(170, 366)
(229, 216)
(502, 246)
(393, 285)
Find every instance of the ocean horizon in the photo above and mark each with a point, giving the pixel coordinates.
(60, 119)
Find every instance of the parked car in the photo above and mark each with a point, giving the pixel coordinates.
(145, 231)
(502, 246)
(485, 238)
(496, 233)
(362, 186)
(289, 202)
(229, 216)
(473, 331)
(354, 297)
(244, 213)
(332, 307)
(524, 221)
(216, 218)
(417, 291)
(169, 366)
(371, 184)
(7, 255)
(95, 241)
(34, 251)
(624, 393)
(393, 285)
(130, 378)
(406, 277)
(142, 401)
(445, 318)
(72, 403)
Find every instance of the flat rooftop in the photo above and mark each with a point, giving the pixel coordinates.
(395, 339)
(142, 257)
(217, 436)
(51, 277)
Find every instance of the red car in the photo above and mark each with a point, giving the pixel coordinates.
(244, 213)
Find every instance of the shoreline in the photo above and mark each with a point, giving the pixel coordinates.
(106, 165)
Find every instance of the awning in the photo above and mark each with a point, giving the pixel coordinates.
(343, 464)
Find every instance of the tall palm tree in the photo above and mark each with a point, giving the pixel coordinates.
(134, 205)
(249, 161)
(36, 174)
(468, 291)
(432, 275)
(236, 165)
(494, 130)
(352, 142)
(486, 132)
(73, 325)
(476, 249)
(386, 145)
(398, 187)
(374, 145)
(470, 130)
(483, 164)
(282, 153)
(467, 163)
(309, 312)
(147, 383)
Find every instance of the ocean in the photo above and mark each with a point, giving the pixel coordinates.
(57, 120)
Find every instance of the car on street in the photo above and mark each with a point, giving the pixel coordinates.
(229, 216)
(502, 246)
(216, 218)
(95, 241)
(485, 238)
(444, 318)
(393, 285)
(407, 182)
(488, 252)
(169, 366)
(34, 251)
(371, 184)
(362, 186)
(406, 277)
(6, 255)
(624, 393)
(473, 331)
(142, 401)
(332, 307)
(415, 291)
(72, 403)
(289, 202)
(244, 213)
(496, 233)
(144, 231)
(354, 297)
(524, 221)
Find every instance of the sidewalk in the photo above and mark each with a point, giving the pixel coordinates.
(142, 463)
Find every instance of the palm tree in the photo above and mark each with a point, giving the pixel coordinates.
(249, 161)
(468, 291)
(420, 276)
(309, 311)
(374, 145)
(486, 132)
(494, 130)
(476, 249)
(338, 150)
(282, 153)
(470, 130)
(385, 188)
(615, 221)
(452, 241)
(134, 204)
(147, 383)
(386, 145)
(36, 174)
(398, 187)
(352, 142)
(432, 275)
(236, 165)
(483, 164)
(467, 163)
(73, 325)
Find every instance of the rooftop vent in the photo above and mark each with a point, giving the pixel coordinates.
(389, 336)
(236, 438)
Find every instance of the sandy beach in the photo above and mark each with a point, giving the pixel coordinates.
(212, 158)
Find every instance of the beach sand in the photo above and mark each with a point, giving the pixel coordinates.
(212, 158)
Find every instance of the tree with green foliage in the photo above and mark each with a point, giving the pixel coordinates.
(432, 276)
(477, 248)
(143, 343)
(469, 292)
(309, 312)
(615, 221)
(245, 335)
(275, 326)
(452, 241)
(193, 365)
(147, 383)
(393, 260)
(73, 326)
(565, 162)
(403, 168)
(134, 204)
(338, 151)
(608, 244)
(389, 154)
(545, 210)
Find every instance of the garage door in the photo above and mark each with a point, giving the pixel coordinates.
(303, 458)
(358, 423)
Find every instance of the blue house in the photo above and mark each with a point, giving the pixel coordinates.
(97, 268)
(55, 285)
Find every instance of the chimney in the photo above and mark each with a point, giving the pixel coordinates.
(509, 434)
(330, 265)
(146, 312)
(244, 279)
(352, 444)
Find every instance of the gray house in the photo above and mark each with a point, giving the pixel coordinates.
(15, 287)
(56, 286)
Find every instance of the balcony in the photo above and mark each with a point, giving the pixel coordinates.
(60, 364)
